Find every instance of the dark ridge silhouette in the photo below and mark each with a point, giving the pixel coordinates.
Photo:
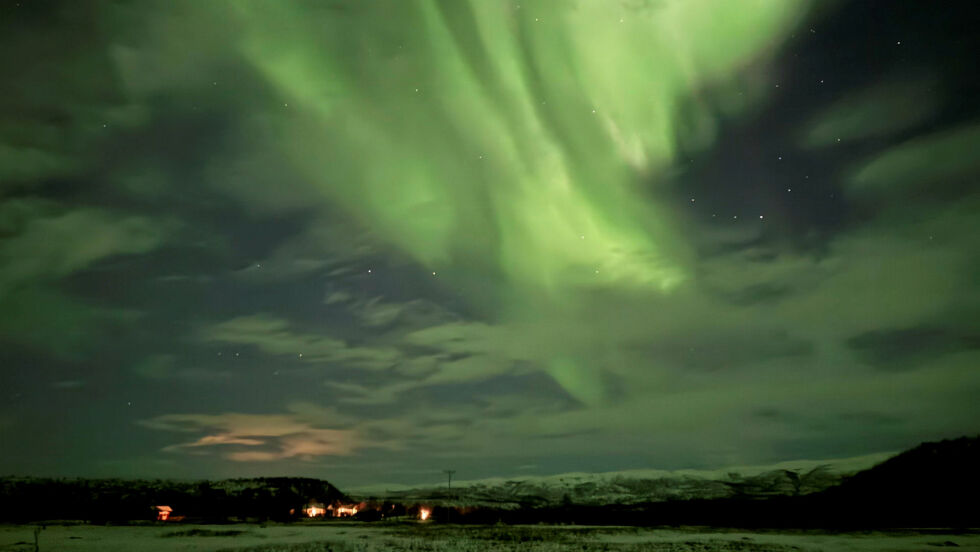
(111, 500)
(933, 484)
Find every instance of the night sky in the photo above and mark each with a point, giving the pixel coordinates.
(371, 240)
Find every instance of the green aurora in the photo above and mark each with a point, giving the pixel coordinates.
(480, 232)
(509, 139)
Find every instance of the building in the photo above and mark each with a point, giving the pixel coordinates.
(163, 512)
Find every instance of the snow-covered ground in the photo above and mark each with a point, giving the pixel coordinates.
(343, 537)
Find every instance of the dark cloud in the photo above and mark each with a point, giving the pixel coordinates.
(907, 348)
(758, 293)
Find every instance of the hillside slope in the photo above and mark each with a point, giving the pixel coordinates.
(933, 484)
(634, 486)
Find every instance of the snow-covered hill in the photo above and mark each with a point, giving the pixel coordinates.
(633, 486)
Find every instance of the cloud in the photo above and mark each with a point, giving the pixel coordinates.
(378, 313)
(56, 324)
(48, 241)
(43, 242)
(883, 109)
(162, 367)
(367, 395)
(52, 116)
(413, 355)
(28, 164)
(906, 348)
(274, 336)
(929, 165)
(256, 437)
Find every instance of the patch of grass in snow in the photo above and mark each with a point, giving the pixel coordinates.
(512, 539)
(309, 547)
(204, 533)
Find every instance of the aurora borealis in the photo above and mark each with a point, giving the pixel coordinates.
(369, 240)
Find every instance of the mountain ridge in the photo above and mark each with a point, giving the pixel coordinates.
(793, 477)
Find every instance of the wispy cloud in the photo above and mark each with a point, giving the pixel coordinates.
(256, 437)
(274, 336)
(46, 240)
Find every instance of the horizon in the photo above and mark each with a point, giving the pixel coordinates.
(371, 241)
(843, 465)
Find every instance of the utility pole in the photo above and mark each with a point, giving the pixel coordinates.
(449, 485)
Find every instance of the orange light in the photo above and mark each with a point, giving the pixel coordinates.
(163, 512)
(314, 511)
(424, 513)
(342, 511)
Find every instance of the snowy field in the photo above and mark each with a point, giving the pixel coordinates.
(339, 537)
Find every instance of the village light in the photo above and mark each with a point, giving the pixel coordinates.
(314, 511)
(342, 511)
(424, 513)
(163, 512)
